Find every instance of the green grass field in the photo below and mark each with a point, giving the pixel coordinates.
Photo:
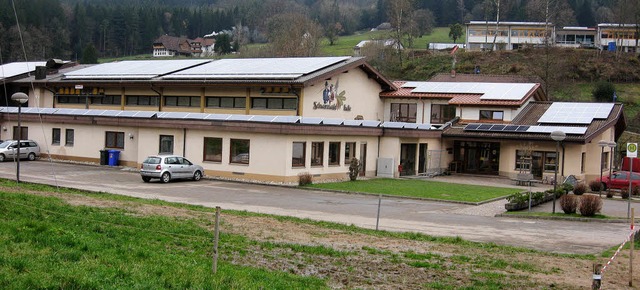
(421, 189)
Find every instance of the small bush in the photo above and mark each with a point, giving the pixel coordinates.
(595, 185)
(354, 169)
(569, 203)
(580, 189)
(566, 187)
(518, 198)
(609, 194)
(603, 91)
(590, 205)
(305, 179)
(635, 190)
(624, 193)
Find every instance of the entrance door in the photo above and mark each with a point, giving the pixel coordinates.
(363, 159)
(536, 164)
(422, 158)
(408, 159)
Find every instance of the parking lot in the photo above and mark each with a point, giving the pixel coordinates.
(396, 214)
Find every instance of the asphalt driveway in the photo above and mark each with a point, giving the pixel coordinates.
(396, 214)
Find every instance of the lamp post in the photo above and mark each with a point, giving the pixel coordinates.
(602, 144)
(557, 136)
(21, 98)
(611, 145)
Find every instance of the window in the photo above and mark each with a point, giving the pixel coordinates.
(114, 140)
(212, 149)
(299, 154)
(334, 153)
(349, 152)
(166, 144)
(71, 100)
(523, 161)
(550, 161)
(69, 137)
(604, 159)
(226, 102)
(239, 152)
(442, 113)
(403, 112)
(274, 103)
(181, 101)
(317, 153)
(142, 100)
(106, 100)
(24, 133)
(55, 136)
(491, 115)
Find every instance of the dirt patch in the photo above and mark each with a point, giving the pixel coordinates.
(356, 260)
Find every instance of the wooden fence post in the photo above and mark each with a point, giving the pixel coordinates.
(597, 276)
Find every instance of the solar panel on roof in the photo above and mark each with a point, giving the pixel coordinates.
(353, 122)
(393, 124)
(472, 127)
(497, 128)
(327, 121)
(370, 123)
(489, 91)
(424, 126)
(510, 128)
(111, 113)
(134, 69)
(260, 118)
(575, 113)
(484, 127)
(173, 115)
(197, 116)
(239, 118)
(310, 120)
(410, 126)
(549, 129)
(522, 128)
(286, 119)
(217, 116)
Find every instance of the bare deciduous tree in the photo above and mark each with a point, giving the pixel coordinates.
(293, 34)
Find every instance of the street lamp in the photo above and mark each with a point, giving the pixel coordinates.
(557, 136)
(21, 98)
(611, 145)
(602, 144)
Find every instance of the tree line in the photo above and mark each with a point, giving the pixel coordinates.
(67, 29)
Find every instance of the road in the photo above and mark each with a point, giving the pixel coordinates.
(396, 214)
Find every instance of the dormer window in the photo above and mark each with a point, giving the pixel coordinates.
(491, 115)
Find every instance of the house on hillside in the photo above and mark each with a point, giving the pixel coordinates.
(174, 46)
(205, 47)
(275, 118)
(382, 43)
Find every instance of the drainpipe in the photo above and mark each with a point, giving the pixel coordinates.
(184, 141)
(563, 151)
(160, 97)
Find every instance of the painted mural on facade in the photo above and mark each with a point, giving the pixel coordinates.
(332, 98)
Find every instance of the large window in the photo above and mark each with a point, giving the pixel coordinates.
(349, 152)
(182, 101)
(72, 100)
(239, 152)
(24, 133)
(523, 160)
(403, 112)
(166, 144)
(334, 153)
(142, 100)
(442, 113)
(114, 140)
(317, 153)
(274, 103)
(69, 137)
(212, 149)
(550, 161)
(226, 102)
(106, 100)
(491, 115)
(299, 154)
(55, 136)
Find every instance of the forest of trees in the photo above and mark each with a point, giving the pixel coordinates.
(115, 28)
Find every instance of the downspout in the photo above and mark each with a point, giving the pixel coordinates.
(160, 98)
(298, 101)
(184, 141)
(563, 151)
(53, 93)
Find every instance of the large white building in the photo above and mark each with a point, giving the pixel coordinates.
(273, 119)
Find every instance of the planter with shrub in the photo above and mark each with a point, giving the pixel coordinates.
(520, 200)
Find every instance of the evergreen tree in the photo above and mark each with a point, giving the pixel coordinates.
(585, 15)
(89, 54)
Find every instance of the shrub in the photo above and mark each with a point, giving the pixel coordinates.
(566, 187)
(624, 193)
(580, 189)
(519, 197)
(354, 169)
(603, 91)
(590, 205)
(595, 185)
(635, 190)
(305, 179)
(609, 194)
(569, 203)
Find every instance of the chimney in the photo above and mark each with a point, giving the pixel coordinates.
(41, 72)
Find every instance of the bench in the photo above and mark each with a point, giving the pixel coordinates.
(524, 179)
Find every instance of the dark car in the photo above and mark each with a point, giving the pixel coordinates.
(620, 180)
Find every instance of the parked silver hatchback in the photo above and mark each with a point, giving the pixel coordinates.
(29, 149)
(169, 167)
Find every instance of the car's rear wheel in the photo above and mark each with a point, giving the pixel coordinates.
(197, 175)
(146, 178)
(31, 156)
(166, 177)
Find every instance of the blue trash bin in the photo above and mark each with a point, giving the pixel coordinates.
(114, 155)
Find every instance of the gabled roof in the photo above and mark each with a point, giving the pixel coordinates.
(530, 118)
(173, 43)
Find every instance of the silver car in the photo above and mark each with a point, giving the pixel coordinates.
(168, 167)
(29, 149)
